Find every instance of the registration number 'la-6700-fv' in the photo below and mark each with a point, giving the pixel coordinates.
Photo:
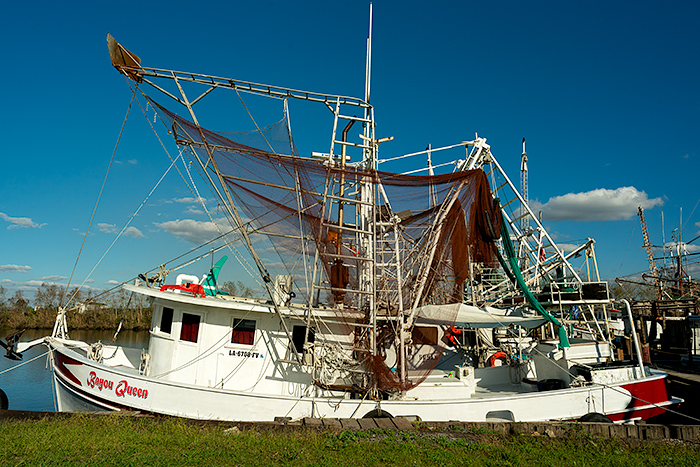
(245, 354)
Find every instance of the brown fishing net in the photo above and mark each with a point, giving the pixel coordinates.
(309, 209)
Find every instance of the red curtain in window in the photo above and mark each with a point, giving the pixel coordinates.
(243, 331)
(190, 327)
(242, 336)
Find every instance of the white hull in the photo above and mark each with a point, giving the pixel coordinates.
(85, 385)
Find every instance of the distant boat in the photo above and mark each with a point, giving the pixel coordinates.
(401, 294)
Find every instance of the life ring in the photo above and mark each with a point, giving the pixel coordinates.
(500, 356)
(453, 334)
(190, 287)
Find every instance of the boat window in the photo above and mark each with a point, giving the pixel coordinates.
(243, 331)
(298, 334)
(166, 320)
(190, 327)
(425, 335)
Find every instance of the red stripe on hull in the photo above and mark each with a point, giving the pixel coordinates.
(647, 392)
(641, 414)
(60, 362)
(647, 396)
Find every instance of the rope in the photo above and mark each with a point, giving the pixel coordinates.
(129, 221)
(104, 182)
(234, 251)
(691, 214)
(358, 405)
(23, 363)
(193, 188)
(626, 251)
(121, 321)
(308, 389)
(254, 122)
(199, 357)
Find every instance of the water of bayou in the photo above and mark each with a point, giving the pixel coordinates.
(28, 387)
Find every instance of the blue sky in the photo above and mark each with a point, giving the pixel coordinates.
(606, 94)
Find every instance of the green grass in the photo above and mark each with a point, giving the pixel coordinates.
(123, 441)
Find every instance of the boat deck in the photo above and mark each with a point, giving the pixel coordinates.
(500, 390)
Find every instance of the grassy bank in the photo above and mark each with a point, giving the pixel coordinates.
(120, 440)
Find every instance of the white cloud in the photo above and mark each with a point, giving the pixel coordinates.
(112, 282)
(190, 230)
(596, 205)
(24, 285)
(567, 247)
(53, 278)
(20, 222)
(30, 287)
(107, 228)
(556, 235)
(132, 161)
(133, 232)
(14, 268)
(112, 228)
(685, 248)
(190, 200)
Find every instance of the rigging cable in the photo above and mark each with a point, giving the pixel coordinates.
(126, 226)
(195, 192)
(193, 188)
(690, 216)
(294, 175)
(22, 364)
(241, 259)
(254, 122)
(104, 182)
(173, 163)
(628, 248)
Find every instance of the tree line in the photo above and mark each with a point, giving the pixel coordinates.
(88, 309)
(85, 309)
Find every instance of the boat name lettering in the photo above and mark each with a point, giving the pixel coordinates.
(244, 353)
(93, 381)
(123, 389)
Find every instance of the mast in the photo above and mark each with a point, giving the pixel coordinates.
(650, 255)
(524, 185)
(680, 259)
(367, 209)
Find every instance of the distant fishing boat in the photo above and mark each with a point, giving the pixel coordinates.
(400, 294)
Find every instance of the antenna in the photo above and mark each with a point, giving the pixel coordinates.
(368, 63)
(523, 187)
(369, 155)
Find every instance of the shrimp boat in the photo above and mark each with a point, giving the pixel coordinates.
(431, 295)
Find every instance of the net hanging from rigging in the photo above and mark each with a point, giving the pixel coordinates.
(438, 224)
